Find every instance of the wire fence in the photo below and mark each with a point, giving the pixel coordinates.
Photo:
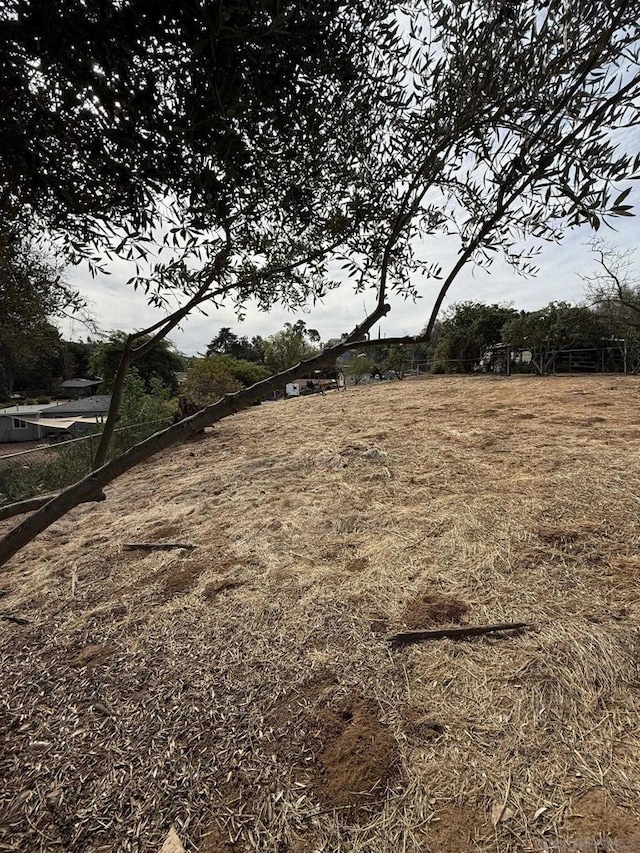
(610, 359)
(49, 467)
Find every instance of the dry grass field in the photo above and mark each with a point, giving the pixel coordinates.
(245, 691)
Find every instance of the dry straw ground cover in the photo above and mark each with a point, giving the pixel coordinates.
(245, 691)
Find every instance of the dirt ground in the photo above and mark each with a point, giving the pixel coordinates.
(12, 447)
(245, 691)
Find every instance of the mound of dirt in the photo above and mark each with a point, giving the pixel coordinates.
(92, 655)
(598, 824)
(433, 608)
(360, 757)
(454, 829)
(181, 579)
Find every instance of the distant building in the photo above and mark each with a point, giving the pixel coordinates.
(80, 387)
(31, 423)
(14, 427)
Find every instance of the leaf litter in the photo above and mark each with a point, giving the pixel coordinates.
(243, 692)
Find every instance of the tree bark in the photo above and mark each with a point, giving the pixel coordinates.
(114, 406)
(31, 505)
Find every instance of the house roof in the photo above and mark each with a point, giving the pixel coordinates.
(30, 409)
(87, 405)
(80, 383)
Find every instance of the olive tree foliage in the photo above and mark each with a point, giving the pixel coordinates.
(210, 378)
(224, 149)
(358, 367)
(398, 361)
(122, 118)
(289, 346)
(490, 122)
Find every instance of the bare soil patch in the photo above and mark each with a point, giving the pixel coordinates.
(433, 608)
(93, 654)
(455, 829)
(596, 823)
(217, 841)
(360, 758)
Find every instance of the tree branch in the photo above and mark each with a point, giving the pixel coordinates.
(90, 487)
(163, 327)
(22, 507)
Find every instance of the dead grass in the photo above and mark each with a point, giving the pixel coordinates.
(198, 690)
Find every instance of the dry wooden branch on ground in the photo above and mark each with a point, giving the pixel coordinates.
(157, 546)
(19, 620)
(407, 637)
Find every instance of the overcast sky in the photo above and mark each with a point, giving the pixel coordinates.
(117, 306)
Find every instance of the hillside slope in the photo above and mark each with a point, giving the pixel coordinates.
(244, 690)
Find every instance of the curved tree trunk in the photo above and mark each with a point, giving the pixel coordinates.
(90, 487)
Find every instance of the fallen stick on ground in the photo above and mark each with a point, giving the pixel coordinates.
(454, 633)
(19, 620)
(157, 546)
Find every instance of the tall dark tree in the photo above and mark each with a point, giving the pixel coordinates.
(162, 362)
(32, 291)
(227, 342)
(76, 356)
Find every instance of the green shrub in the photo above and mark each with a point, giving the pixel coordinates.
(141, 413)
(210, 378)
(39, 473)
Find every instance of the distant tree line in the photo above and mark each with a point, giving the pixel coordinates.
(37, 361)
(34, 357)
